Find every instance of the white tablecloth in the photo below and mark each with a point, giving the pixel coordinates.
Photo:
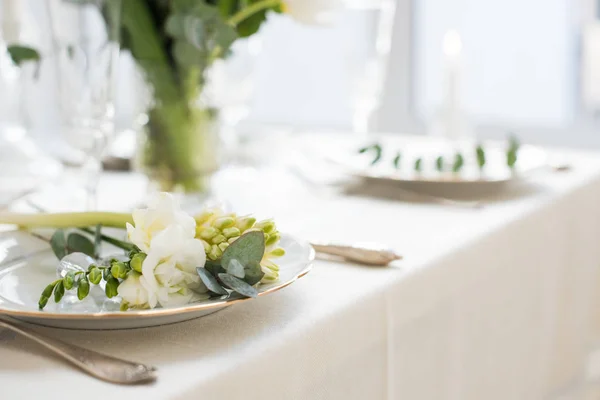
(495, 303)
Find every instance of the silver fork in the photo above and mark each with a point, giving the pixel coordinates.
(106, 368)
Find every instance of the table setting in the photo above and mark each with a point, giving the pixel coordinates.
(292, 263)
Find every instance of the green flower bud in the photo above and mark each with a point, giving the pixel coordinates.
(209, 233)
(266, 226)
(223, 223)
(278, 252)
(124, 306)
(206, 246)
(111, 287)
(119, 270)
(43, 302)
(49, 289)
(223, 246)
(215, 252)
(106, 273)
(137, 261)
(92, 266)
(219, 239)
(204, 216)
(69, 280)
(272, 239)
(245, 223)
(95, 276)
(59, 292)
(231, 232)
(83, 289)
(46, 295)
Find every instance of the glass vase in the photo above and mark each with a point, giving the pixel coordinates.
(179, 150)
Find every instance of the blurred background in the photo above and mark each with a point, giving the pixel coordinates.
(531, 67)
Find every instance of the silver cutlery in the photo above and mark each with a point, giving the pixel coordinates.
(375, 255)
(106, 368)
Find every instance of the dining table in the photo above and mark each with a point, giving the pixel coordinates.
(500, 301)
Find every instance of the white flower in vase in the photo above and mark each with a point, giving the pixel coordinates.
(313, 12)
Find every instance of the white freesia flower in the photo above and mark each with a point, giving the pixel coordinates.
(314, 12)
(133, 292)
(169, 270)
(163, 211)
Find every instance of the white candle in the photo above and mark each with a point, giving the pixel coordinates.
(451, 107)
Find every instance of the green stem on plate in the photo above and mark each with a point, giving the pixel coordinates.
(108, 239)
(66, 220)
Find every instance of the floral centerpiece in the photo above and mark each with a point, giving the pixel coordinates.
(170, 258)
(175, 43)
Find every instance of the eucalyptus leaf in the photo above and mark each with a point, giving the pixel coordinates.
(254, 273)
(58, 242)
(418, 165)
(376, 149)
(397, 160)
(250, 247)
(236, 269)
(480, 153)
(238, 285)
(210, 281)
(214, 267)
(77, 243)
(459, 162)
(439, 163)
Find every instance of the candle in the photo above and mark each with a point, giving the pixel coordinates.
(451, 107)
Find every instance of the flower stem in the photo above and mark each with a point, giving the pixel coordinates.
(252, 9)
(108, 239)
(66, 220)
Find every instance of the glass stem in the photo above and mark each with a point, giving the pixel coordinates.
(92, 169)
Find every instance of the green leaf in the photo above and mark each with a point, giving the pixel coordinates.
(59, 292)
(214, 267)
(376, 148)
(210, 281)
(78, 243)
(397, 160)
(21, 54)
(254, 273)
(418, 164)
(58, 242)
(250, 247)
(236, 269)
(83, 289)
(480, 152)
(238, 285)
(439, 163)
(459, 162)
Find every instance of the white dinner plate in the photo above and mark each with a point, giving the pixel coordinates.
(530, 159)
(34, 266)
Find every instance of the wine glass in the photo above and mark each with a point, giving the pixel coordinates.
(367, 58)
(85, 53)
